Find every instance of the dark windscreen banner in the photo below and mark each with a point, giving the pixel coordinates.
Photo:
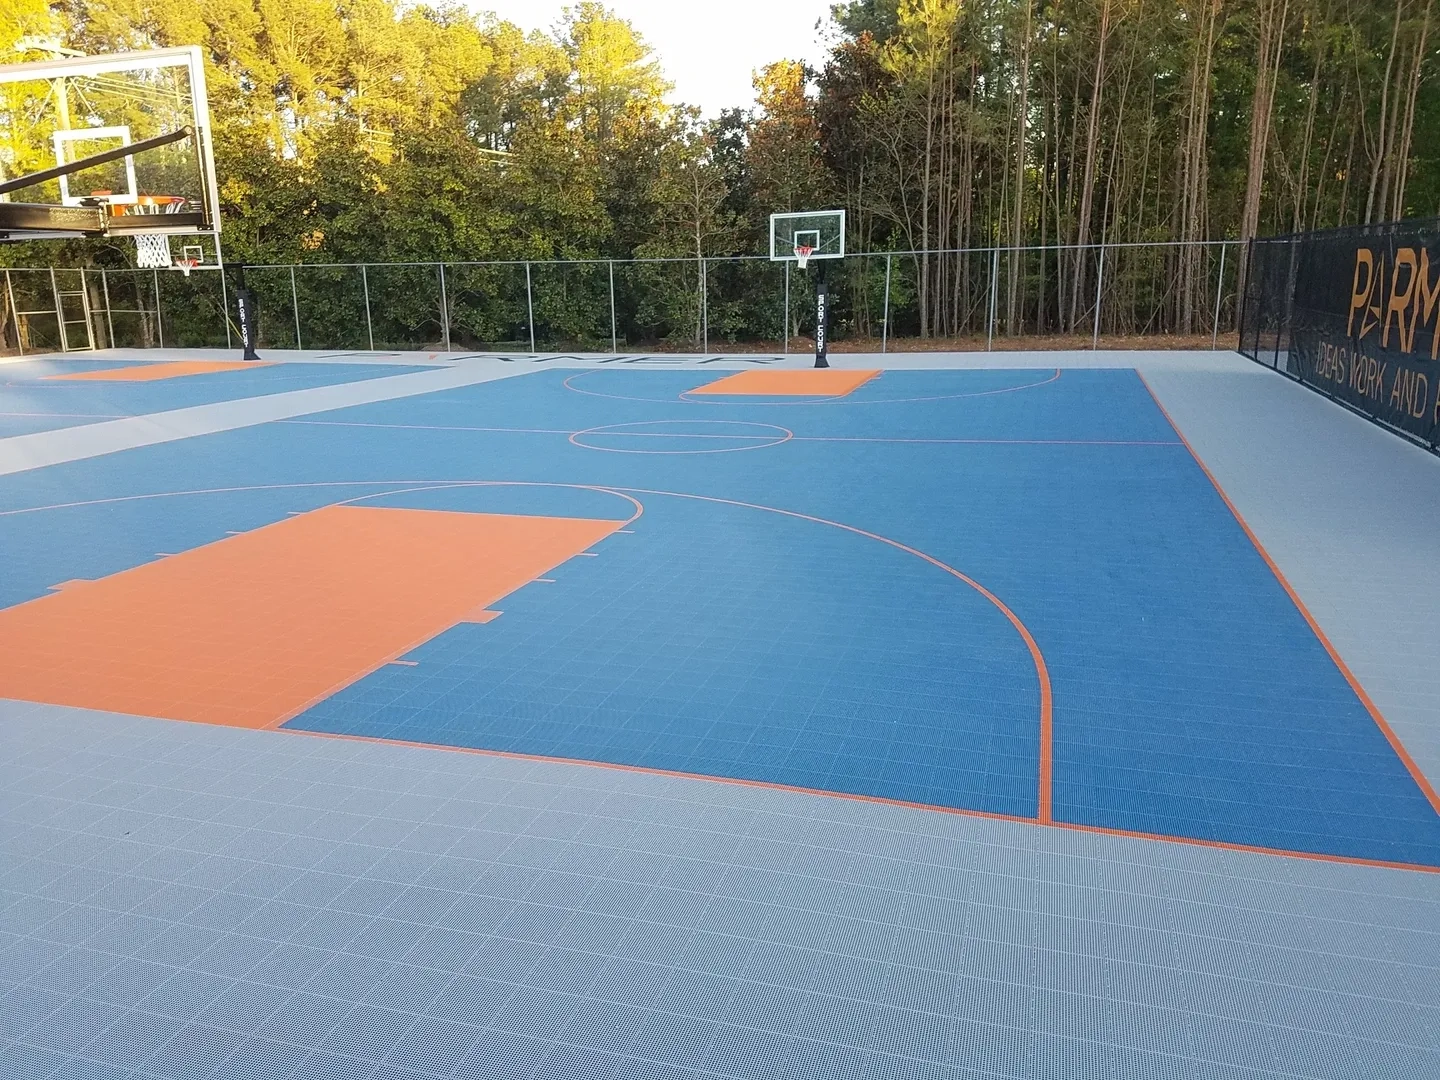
(1364, 318)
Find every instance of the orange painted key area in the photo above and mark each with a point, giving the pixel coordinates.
(806, 382)
(165, 369)
(255, 628)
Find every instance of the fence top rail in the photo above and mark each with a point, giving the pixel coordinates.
(1337, 232)
(691, 259)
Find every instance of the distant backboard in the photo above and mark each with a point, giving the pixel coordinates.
(54, 113)
(817, 234)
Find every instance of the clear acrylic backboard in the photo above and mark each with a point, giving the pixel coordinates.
(809, 234)
(56, 112)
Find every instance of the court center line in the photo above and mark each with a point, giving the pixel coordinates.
(748, 438)
(1421, 781)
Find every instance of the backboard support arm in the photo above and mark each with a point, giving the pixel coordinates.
(105, 156)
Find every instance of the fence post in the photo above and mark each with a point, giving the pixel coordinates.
(614, 330)
(295, 305)
(109, 319)
(60, 315)
(1099, 292)
(1219, 292)
(159, 318)
(885, 312)
(994, 283)
(530, 307)
(365, 286)
(14, 313)
(785, 330)
(704, 306)
(224, 304)
(444, 309)
(85, 307)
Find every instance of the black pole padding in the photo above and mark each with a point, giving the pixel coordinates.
(129, 150)
(248, 310)
(822, 311)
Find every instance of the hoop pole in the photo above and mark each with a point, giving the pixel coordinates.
(822, 315)
(295, 306)
(704, 307)
(885, 313)
(365, 287)
(530, 308)
(785, 330)
(614, 332)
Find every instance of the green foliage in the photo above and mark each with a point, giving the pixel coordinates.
(374, 131)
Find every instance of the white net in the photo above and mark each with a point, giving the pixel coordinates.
(152, 251)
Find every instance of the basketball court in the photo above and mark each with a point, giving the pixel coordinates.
(966, 716)
(951, 721)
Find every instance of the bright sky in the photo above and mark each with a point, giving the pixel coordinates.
(708, 48)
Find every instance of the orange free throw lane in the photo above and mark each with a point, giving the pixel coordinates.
(252, 629)
(804, 382)
(165, 369)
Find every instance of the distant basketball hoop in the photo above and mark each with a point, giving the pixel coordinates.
(802, 236)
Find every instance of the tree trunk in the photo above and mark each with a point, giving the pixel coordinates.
(1194, 173)
(1402, 158)
(1271, 39)
(1382, 150)
(1302, 185)
(1017, 237)
(1087, 187)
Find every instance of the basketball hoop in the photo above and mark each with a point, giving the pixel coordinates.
(802, 254)
(186, 265)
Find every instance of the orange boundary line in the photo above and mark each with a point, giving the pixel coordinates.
(878, 800)
(1394, 740)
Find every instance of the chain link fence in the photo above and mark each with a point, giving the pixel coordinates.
(980, 298)
(1354, 314)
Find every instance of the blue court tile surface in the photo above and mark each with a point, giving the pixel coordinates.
(785, 611)
(1006, 613)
